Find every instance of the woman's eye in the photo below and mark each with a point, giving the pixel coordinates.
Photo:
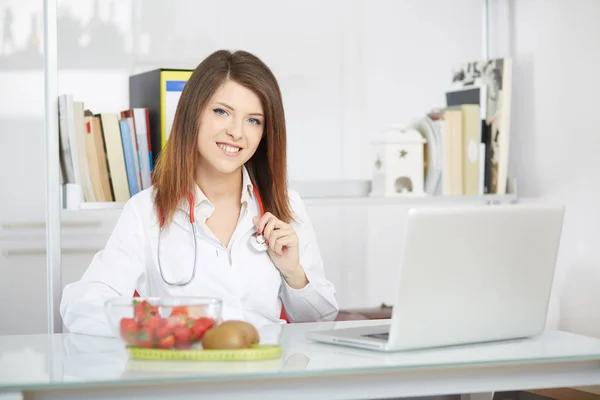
(254, 121)
(220, 111)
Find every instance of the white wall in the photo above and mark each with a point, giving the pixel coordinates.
(555, 141)
(348, 68)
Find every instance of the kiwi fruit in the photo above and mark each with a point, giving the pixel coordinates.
(248, 329)
(225, 337)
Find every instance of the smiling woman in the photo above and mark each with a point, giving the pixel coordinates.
(222, 173)
(233, 92)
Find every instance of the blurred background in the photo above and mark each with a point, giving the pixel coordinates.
(347, 70)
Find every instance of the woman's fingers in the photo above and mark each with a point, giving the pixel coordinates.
(262, 222)
(271, 226)
(268, 223)
(277, 233)
(280, 238)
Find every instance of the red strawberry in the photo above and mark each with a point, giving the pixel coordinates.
(166, 342)
(179, 310)
(164, 328)
(182, 333)
(139, 311)
(152, 322)
(145, 338)
(177, 320)
(128, 329)
(200, 326)
(143, 309)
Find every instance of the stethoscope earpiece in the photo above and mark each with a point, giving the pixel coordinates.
(259, 242)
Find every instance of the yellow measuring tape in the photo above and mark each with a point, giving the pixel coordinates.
(256, 352)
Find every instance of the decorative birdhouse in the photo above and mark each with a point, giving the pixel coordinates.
(398, 163)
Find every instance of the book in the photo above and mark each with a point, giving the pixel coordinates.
(475, 95)
(129, 153)
(159, 91)
(496, 75)
(116, 159)
(97, 160)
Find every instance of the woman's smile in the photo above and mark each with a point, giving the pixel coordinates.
(229, 149)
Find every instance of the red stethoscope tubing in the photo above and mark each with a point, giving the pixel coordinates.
(260, 246)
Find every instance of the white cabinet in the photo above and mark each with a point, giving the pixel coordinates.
(23, 292)
(341, 233)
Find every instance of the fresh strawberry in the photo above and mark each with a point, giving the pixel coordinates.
(128, 329)
(182, 333)
(143, 309)
(180, 310)
(139, 312)
(200, 326)
(145, 338)
(152, 310)
(163, 329)
(177, 320)
(152, 322)
(127, 325)
(205, 322)
(166, 342)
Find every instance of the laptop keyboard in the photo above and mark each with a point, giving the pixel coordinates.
(382, 336)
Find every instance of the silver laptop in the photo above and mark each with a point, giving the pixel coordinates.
(470, 274)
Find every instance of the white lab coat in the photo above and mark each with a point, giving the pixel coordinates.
(247, 281)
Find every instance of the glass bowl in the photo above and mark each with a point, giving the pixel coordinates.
(163, 323)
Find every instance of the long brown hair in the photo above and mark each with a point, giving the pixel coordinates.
(176, 166)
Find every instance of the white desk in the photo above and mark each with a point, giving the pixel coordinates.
(73, 366)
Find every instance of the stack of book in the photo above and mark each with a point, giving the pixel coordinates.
(468, 139)
(108, 155)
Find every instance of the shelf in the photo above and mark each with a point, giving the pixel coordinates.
(71, 199)
(112, 205)
(412, 200)
(408, 200)
(342, 201)
(312, 197)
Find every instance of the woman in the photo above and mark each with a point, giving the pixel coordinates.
(227, 154)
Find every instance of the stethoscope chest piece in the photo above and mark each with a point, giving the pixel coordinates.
(259, 242)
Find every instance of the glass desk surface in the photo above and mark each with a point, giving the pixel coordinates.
(68, 360)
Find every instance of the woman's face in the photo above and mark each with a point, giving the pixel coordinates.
(231, 127)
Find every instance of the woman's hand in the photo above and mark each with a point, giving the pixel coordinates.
(283, 248)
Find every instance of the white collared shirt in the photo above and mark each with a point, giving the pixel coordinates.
(246, 280)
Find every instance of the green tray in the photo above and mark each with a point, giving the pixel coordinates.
(256, 352)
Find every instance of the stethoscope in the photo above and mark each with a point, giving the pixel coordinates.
(257, 241)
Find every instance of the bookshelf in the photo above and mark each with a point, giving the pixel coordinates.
(59, 197)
